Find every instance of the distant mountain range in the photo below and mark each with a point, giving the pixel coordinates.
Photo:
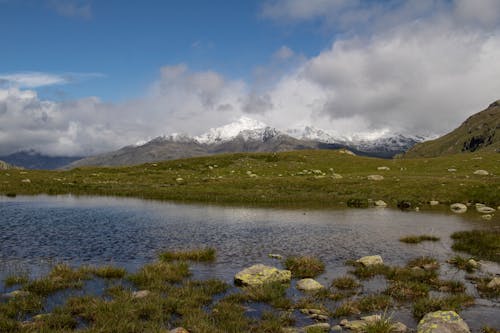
(480, 132)
(34, 160)
(247, 135)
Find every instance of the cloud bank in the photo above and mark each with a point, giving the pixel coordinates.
(414, 67)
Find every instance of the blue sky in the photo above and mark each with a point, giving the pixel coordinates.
(79, 77)
(128, 41)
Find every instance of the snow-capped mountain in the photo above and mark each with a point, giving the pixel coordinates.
(250, 135)
(246, 126)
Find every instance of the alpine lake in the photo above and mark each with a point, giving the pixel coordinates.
(39, 232)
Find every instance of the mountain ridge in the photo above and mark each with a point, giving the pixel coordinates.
(481, 131)
(244, 135)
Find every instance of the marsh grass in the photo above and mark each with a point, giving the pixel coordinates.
(61, 277)
(109, 272)
(346, 309)
(304, 266)
(16, 279)
(463, 263)
(273, 293)
(345, 283)
(407, 290)
(484, 244)
(373, 303)
(197, 255)
(367, 272)
(418, 239)
(384, 325)
(451, 303)
(158, 275)
(484, 290)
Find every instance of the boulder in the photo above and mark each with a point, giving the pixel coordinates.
(380, 203)
(433, 202)
(259, 274)
(309, 285)
(383, 168)
(140, 294)
(375, 177)
(179, 330)
(442, 322)
(16, 293)
(370, 260)
(458, 208)
(485, 210)
(494, 283)
(481, 173)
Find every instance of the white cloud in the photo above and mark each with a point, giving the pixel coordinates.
(31, 79)
(283, 53)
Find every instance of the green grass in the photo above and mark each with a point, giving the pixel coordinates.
(198, 255)
(158, 275)
(384, 325)
(109, 272)
(304, 266)
(419, 239)
(272, 293)
(345, 283)
(479, 243)
(413, 180)
(463, 263)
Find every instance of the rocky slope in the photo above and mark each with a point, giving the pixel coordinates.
(5, 166)
(480, 132)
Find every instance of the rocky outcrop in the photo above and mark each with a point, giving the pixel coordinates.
(442, 322)
(259, 274)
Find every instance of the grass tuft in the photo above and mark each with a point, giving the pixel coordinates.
(448, 303)
(419, 239)
(484, 244)
(304, 266)
(198, 255)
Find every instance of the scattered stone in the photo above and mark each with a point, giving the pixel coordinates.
(486, 217)
(442, 322)
(371, 319)
(380, 203)
(452, 170)
(337, 328)
(494, 283)
(179, 330)
(309, 285)
(375, 177)
(399, 327)
(458, 208)
(485, 210)
(345, 151)
(383, 168)
(313, 311)
(481, 173)
(141, 294)
(322, 326)
(275, 256)
(319, 317)
(259, 274)
(26, 180)
(370, 260)
(16, 293)
(433, 202)
(337, 176)
(474, 264)
(179, 180)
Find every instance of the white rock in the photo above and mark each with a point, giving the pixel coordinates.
(141, 294)
(383, 168)
(481, 173)
(380, 203)
(494, 283)
(375, 177)
(485, 210)
(458, 208)
(309, 285)
(452, 170)
(433, 202)
(370, 260)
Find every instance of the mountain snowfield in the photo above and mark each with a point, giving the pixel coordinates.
(250, 129)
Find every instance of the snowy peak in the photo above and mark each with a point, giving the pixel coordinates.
(245, 126)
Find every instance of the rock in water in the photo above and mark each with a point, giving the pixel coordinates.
(485, 210)
(309, 285)
(494, 283)
(380, 203)
(259, 274)
(458, 208)
(370, 260)
(442, 322)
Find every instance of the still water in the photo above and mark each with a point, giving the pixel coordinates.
(36, 232)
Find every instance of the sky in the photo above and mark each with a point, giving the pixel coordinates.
(80, 77)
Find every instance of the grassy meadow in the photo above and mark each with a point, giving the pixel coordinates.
(301, 179)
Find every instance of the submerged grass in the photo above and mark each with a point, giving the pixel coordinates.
(198, 255)
(483, 244)
(452, 303)
(418, 239)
